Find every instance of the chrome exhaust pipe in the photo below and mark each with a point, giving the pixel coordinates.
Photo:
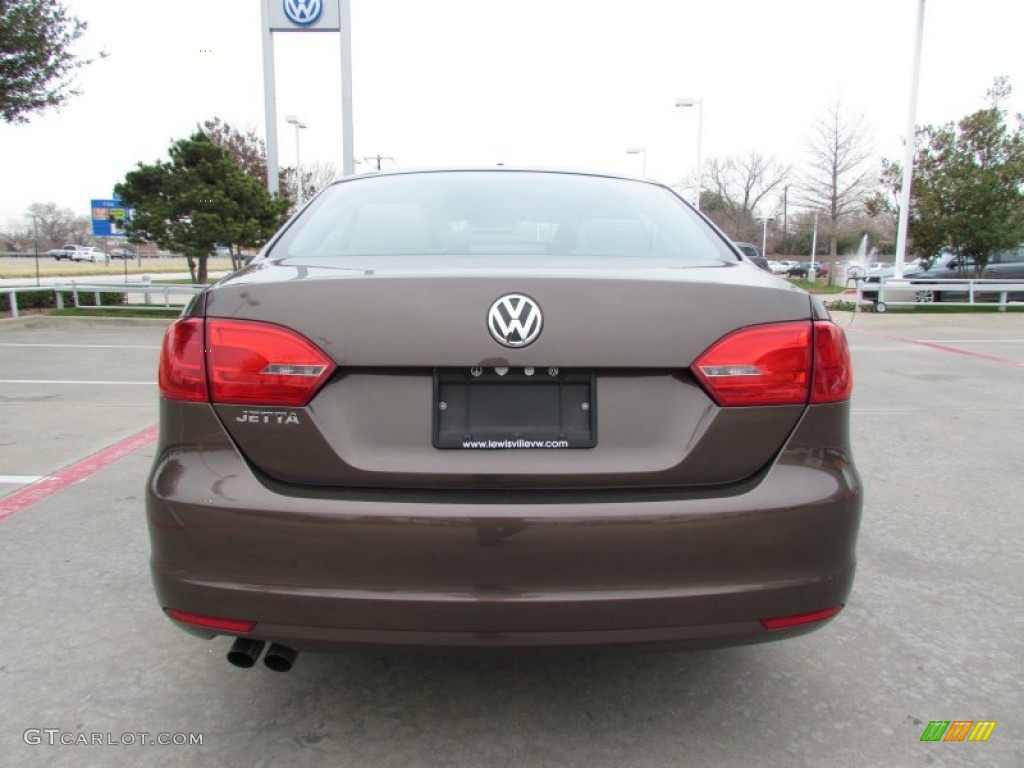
(245, 651)
(280, 658)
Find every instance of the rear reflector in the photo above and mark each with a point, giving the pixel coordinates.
(211, 622)
(796, 620)
(778, 364)
(240, 362)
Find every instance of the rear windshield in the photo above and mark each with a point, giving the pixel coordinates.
(500, 213)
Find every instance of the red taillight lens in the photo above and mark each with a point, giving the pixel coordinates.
(182, 362)
(246, 363)
(759, 365)
(833, 372)
(796, 620)
(253, 363)
(776, 365)
(211, 622)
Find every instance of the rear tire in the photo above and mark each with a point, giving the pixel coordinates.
(926, 296)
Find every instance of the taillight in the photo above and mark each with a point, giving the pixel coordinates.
(759, 365)
(254, 363)
(182, 362)
(778, 364)
(240, 362)
(833, 372)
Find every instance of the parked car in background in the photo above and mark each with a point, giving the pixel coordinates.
(753, 253)
(803, 268)
(505, 409)
(123, 253)
(88, 253)
(1003, 265)
(65, 252)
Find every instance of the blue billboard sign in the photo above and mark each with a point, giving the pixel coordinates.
(109, 218)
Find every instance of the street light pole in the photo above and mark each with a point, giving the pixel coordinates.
(908, 151)
(299, 125)
(814, 240)
(764, 235)
(642, 151)
(35, 240)
(785, 219)
(699, 103)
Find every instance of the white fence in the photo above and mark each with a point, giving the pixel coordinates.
(908, 292)
(144, 295)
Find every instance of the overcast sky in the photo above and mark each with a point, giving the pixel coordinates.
(551, 83)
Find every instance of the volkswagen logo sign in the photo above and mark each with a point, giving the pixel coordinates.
(303, 12)
(515, 320)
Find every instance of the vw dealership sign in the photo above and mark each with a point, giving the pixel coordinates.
(302, 15)
(306, 16)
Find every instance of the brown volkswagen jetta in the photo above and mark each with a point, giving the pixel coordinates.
(501, 408)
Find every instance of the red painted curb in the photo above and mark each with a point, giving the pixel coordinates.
(75, 473)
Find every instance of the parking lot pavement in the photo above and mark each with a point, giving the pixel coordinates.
(933, 630)
(72, 386)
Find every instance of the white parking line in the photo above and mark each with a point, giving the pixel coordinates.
(63, 381)
(20, 479)
(80, 346)
(974, 341)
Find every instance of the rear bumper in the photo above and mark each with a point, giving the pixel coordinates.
(335, 570)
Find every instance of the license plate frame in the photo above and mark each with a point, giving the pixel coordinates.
(514, 408)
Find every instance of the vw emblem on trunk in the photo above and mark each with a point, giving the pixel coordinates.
(515, 320)
(303, 12)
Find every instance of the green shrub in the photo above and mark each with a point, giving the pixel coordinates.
(48, 299)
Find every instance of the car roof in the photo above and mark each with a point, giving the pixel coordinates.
(499, 169)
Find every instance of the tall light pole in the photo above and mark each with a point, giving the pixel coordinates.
(908, 150)
(699, 103)
(35, 240)
(785, 219)
(642, 151)
(299, 125)
(764, 235)
(814, 240)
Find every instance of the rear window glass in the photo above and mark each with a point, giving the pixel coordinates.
(503, 213)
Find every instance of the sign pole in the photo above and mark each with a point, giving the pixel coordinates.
(348, 166)
(306, 16)
(270, 102)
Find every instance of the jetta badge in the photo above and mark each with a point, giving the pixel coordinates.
(515, 320)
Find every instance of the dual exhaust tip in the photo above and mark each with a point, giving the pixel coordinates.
(245, 652)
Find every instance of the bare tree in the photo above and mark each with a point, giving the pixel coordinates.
(837, 177)
(315, 176)
(55, 225)
(318, 175)
(735, 187)
(247, 149)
